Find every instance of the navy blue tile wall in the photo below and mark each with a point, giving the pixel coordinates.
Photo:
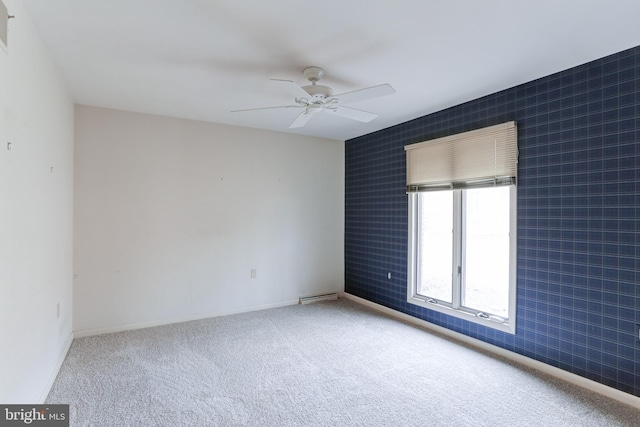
(578, 216)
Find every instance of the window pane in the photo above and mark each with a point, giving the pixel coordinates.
(486, 279)
(435, 246)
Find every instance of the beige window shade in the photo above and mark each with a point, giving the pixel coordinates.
(483, 157)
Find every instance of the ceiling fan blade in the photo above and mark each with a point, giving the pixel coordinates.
(303, 118)
(293, 87)
(353, 114)
(366, 93)
(267, 108)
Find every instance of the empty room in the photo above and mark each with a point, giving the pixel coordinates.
(294, 213)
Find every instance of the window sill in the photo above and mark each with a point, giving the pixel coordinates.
(504, 327)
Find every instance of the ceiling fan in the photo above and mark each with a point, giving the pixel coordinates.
(314, 98)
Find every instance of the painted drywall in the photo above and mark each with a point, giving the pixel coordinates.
(578, 273)
(172, 215)
(36, 214)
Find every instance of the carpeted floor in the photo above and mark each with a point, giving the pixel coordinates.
(332, 363)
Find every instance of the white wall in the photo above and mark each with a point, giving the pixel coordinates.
(171, 215)
(36, 215)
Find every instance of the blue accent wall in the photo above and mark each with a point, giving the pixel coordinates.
(578, 217)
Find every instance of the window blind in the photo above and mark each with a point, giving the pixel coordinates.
(482, 157)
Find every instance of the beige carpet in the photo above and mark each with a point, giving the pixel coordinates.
(326, 364)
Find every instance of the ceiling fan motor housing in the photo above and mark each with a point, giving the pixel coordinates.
(318, 91)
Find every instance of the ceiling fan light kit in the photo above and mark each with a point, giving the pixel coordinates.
(314, 98)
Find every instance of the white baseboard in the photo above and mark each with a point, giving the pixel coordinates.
(54, 373)
(569, 377)
(131, 326)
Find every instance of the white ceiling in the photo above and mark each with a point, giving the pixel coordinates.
(200, 59)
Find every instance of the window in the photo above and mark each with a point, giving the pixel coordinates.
(462, 232)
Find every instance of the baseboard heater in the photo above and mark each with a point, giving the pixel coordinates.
(316, 298)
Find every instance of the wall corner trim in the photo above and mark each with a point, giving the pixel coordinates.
(56, 370)
(569, 377)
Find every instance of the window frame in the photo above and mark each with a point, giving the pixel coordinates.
(455, 309)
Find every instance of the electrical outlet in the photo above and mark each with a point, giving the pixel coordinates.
(254, 273)
(389, 275)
